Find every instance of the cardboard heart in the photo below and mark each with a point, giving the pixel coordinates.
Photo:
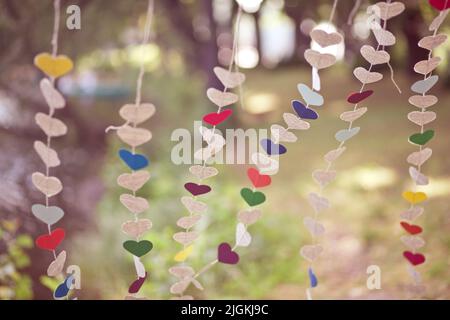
(357, 97)
(226, 255)
(319, 60)
(215, 118)
(54, 99)
(281, 134)
(432, 42)
(294, 122)
(387, 11)
(324, 177)
(48, 215)
(133, 181)
(133, 161)
(265, 164)
(420, 157)
(229, 79)
(134, 136)
(48, 155)
(419, 178)
(138, 248)
(51, 241)
(243, 238)
(303, 111)
(365, 76)
(253, 198)
(249, 216)
(414, 258)
(423, 86)
(426, 66)
(333, 155)
(436, 23)
(52, 127)
(314, 227)
(189, 221)
(423, 102)
(384, 37)
(185, 237)
(311, 97)
(56, 267)
(220, 98)
(440, 5)
(414, 197)
(50, 186)
(53, 66)
(136, 229)
(413, 242)
(214, 140)
(272, 148)
(179, 287)
(325, 39)
(318, 203)
(137, 284)
(311, 252)
(197, 189)
(410, 228)
(346, 134)
(373, 56)
(202, 172)
(422, 138)
(350, 116)
(258, 180)
(194, 206)
(412, 213)
(182, 255)
(182, 271)
(137, 114)
(134, 204)
(422, 118)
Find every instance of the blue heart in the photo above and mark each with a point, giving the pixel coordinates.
(304, 112)
(312, 278)
(273, 148)
(134, 161)
(63, 289)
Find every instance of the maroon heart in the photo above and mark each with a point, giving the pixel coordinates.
(414, 258)
(197, 189)
(357, 97)
(226, 254)
(137, 284)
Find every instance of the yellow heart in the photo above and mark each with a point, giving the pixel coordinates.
(183, 254)
(414, 197)
(53, 66)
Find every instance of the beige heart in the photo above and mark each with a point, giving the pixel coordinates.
(54, 99)
(387, 11)
(432, 42)
(319, 60)
(249, 216)
(294, 122)
(194, 206)
(420, 157)
(422, 118)
(426, 66)
(135, 204)
(318, 203)
(188, 222)
(374, 57)
(185, 238)
(48, 155)
(440, 18)
(314, 227)
(136, 229)
(323, 178)
(204, 154)
(365, 76)
(179, 287)
(220, 98)
(265, 164)
(423, 102)
(133, 181)
(51, 126)
(412, 213)
(414, 242)
(281, 134)
(56, 267)
(419, 178)
(137, 114)
(134, 136)
(333, 155)
(182, 271)
(353, 115)
(229, 79)
(325, 39)
(311, 252)
(49, 186)
(384, 37)
(202, 172)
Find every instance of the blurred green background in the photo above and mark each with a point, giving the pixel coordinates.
(190, 37)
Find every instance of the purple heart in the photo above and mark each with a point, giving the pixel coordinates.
(226, 254)
(197, 189)
(304, 112)
(273, 148)
(137, 284)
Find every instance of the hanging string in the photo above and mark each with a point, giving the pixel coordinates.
(333, 10)
(352, 14)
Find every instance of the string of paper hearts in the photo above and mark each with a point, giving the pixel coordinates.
(323, 177)
(214, 144)
(417, 159)
(134, 115)
(53, 66)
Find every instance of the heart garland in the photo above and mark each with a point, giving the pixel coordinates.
(53, 66)
(417, 159)
(214, 144)
(135, 114)
(323, 177)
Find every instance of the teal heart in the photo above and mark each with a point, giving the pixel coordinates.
(138, 248)
(253, 198)
(344, 135)
(422, 138)
(311, 97)
(423, 86)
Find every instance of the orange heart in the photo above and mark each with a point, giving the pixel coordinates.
(53, 66)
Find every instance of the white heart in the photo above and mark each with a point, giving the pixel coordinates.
(243, 238)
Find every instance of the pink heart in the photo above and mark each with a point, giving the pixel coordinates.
(226, 254)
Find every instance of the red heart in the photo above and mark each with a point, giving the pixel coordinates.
(440, 4)
(357, 97)
(217, 118)
(258, 180)
(52, 240)
(414, 258)
(411, 228)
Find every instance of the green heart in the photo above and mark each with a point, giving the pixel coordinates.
(422, 138)
(253, 198)
(138, 248)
